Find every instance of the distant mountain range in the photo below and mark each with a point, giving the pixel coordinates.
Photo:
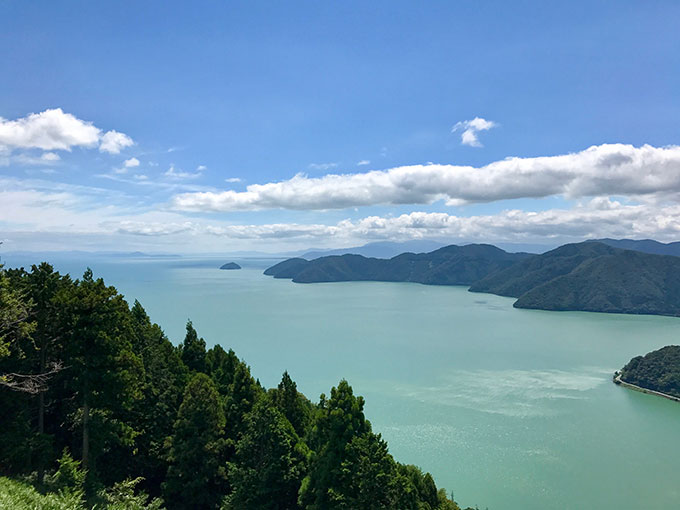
(451, 265)
(589, 276)
(644, 245)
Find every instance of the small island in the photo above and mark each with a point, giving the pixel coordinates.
(230, 266)
(657, 373)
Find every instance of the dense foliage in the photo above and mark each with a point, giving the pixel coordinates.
(591, 277)
(100, 408)
(451, 265)
(658, 371)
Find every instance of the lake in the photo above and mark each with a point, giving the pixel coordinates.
(509, 409)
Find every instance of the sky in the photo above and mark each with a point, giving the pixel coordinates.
(212, 126)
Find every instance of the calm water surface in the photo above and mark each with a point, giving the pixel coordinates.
(511, 409)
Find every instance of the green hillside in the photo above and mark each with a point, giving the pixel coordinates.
(658, 371)
(451, 265)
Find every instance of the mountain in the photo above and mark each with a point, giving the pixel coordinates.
(594, 277)
(644, 245)
(381, 249)
(657, 371)
(450, 265)
(534, 271)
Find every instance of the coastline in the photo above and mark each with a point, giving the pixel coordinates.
(621, 382)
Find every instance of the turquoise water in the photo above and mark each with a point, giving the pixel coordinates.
(511, 409)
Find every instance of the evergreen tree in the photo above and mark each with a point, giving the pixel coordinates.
(241, 397)
(367, 476)
(193, 350)
(337, 422)
(221, 366)
(268, 465)
(103, 373)
(294, 406)
(197, 474)
(156, 412)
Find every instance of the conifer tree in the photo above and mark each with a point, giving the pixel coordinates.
(197, 474)
(193, 350)
(103, 371)
(294, 406)
(338, 421)
(268, 465)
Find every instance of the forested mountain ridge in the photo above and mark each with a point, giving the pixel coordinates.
(658, 371)
(85, 376)
(588, 276)
(450, 265)
(591, 277)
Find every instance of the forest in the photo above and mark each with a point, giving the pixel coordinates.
(658, 370)
(100, 409)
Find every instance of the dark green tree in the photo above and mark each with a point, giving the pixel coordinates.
(163, 387)
(338, 421)
(193, 350)
(104, 374)
(241, 396)
(221, 366)
(294, 406)
(197, 474)
(367, 476)
(268, 465)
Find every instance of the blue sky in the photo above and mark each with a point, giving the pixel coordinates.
(205, 98)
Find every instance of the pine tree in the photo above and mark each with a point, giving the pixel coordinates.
(367, 476)
(337, 422)
(268, 465)
(197, 473)
(193, 350)
(294, 406)
(103, 371)
(241, 397)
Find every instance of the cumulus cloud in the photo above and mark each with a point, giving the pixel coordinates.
(364, 162)
(131, 163)
(113, 142)
(233, 180)
(48, 130)
(470, 128)
(610, 169)
(54, 129)
(599, 217)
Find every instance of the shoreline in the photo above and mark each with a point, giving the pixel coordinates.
(620, 382)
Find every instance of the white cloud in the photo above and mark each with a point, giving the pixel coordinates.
(599, 217)
(200, 168)
(175, 174)
(233, 179)
(322, 166)
(53, 129)
(470, 128)
(46, 158)
(131, 163)
(364, 162)
(113, 142)
(48, 130)
(612, 169)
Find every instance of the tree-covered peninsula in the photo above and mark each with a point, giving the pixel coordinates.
(657, 371)
(100, 409)
(589, 276)
(451, 265)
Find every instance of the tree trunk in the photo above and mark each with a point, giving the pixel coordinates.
(41, 418)
(86, 434)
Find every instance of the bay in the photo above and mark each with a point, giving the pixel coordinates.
(510, 409)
